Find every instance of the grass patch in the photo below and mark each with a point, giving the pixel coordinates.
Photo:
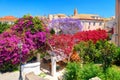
(42, 75)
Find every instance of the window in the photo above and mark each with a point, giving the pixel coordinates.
(93, 17)
(88, 27)
(82, 22)
(93, 23)
(89, 23)
(100, 24)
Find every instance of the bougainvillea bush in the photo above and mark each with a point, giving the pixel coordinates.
(63, 43)
(65, 26)
(30, 31)
(66, 42)
(93, 35)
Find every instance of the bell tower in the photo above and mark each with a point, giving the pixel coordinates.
(75, 12)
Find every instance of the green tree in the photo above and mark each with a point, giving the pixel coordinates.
(3, 27)
(107, 51)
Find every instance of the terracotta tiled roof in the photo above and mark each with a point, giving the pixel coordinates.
(107, 19)
(8, 18)
(86, 17)
(61, 15)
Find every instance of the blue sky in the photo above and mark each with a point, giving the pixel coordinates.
(18, 8)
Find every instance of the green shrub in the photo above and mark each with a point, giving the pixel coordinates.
(8, 67)
(107, 51)
(90, 52)
(3, 27)
(52, 31)
(75, 72)
(112, 73)
(72, 71)
(89, 71)
(117, 57)
(80, 48)
(87, 51)
(101, 52)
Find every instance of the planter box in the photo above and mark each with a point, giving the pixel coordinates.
(31, 67)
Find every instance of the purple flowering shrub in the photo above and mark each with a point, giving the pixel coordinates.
(65, 26)
(33, 36)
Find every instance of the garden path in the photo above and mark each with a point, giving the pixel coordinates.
(45, 69)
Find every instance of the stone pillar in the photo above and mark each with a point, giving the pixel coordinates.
(38, 57)
(53, 69)
(117, 28)
(53, 63)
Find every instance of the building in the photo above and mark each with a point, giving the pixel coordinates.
(8, 19)
(56, 16)
(110, 23)
(90, 21)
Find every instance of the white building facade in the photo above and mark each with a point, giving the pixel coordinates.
(92, 24)
(88, 21)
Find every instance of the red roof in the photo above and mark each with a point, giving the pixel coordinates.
(8, 18)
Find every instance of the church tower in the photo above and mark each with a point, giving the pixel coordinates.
(75, 12)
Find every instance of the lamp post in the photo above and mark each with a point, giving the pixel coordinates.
(20, 52)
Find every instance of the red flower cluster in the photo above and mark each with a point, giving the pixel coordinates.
(93, 35)
(65, 43)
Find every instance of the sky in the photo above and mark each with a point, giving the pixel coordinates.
(18, 8)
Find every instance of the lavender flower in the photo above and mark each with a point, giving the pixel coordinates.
(65, 25)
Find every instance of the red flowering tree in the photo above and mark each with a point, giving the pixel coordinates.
(93, 35)
(65, 43)
(62, 43)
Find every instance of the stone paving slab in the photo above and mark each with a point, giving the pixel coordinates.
(15, 76)
(10, 76)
